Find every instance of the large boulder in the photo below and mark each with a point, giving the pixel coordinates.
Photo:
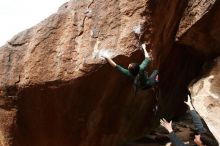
(204, 36)
(206, 96)
(62, 92)
(62, 46)
(195, 10)
(56, 90)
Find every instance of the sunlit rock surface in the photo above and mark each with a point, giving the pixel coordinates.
(64, 93)
(56, 90)
(206, 96)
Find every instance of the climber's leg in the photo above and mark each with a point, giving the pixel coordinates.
(154, 77)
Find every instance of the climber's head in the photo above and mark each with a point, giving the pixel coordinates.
(133, 68)
(205, 139)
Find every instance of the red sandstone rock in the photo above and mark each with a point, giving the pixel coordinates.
(66, 96)
(55, 91)
(61, 47)
(206, 97)
(195, 10)
(205, 34)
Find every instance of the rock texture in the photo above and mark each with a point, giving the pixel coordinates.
(204, 36)
(64, 94)
(195, 10)
(206, 96)
(61, 47)
(55, 90)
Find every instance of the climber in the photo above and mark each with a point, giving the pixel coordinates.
(202, 136)
(137, 72)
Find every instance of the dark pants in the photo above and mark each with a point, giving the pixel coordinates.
(152, 78)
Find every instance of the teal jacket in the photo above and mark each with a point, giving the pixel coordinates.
(144, 81)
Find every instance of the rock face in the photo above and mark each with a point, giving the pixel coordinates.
(205, 34)
(64, 93)
(56, 90)
(206, 95)
(61, 47)
(195, 10)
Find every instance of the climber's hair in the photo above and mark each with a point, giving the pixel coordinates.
(134, 69)
(208, 139)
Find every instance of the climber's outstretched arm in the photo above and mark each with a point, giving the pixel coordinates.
(146, 61)
(110, 61)
(118, 67)
(145, 51)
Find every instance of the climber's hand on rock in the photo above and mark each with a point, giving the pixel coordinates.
(146, 54)
(189, 103)
(166, 125)
(110, 61)
(143, 46)
(104, 56)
